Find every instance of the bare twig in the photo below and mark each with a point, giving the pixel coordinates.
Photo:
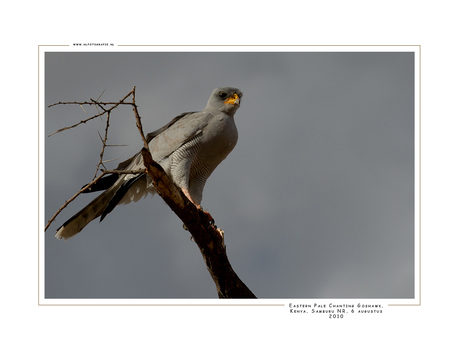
(92, 102)
(138, 119)
(109, 160)
(124, 172)
(100, 95)
(104, 141)
(75, 125)
(83, 109)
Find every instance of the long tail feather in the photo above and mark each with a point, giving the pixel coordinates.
(90, 212)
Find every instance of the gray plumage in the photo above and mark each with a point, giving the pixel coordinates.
(188, 148)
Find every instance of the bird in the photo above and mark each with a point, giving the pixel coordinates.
(188, 148)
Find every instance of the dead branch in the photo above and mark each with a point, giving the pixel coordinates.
(207, 236)
(138, 120)
(104, 141)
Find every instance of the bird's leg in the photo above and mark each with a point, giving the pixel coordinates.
(198, 206)
(187, 194)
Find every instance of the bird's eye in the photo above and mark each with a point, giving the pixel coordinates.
(222, 95)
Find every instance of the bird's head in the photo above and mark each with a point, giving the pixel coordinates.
(225, 99)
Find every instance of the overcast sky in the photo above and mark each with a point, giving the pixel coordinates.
(316, 200)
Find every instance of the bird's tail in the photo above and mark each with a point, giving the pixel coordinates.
(90, 212)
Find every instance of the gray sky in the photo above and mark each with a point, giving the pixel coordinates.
(316, 199)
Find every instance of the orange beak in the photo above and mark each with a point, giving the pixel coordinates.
(233, 99)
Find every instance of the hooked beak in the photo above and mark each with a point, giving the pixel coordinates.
(233, 99)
